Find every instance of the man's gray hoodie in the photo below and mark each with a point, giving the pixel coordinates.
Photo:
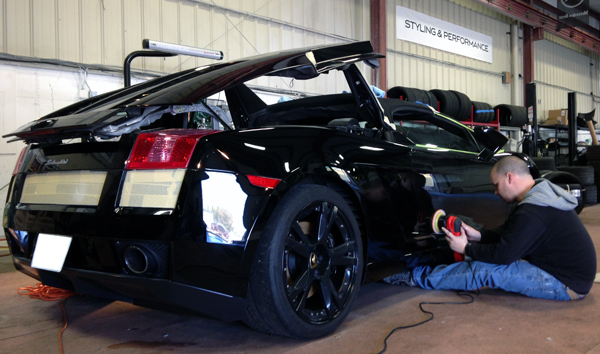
(545, 230)
(549, 194)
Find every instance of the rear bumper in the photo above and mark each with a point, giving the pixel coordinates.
(147, 292)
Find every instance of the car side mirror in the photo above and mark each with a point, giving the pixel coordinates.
(490, 138)
(485, 154)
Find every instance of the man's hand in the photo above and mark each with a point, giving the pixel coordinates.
(457, 243)
(472, 234)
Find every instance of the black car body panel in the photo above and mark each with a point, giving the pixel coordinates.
(189, 235)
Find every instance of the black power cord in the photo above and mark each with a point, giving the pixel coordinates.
(460, 293)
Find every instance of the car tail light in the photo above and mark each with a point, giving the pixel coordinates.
(19, 161)
(168, 149)
(264, 182)
(156, 168)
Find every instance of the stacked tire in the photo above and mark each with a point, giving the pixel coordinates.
(593, 160)
(483, 112)
(411, 94)
(586, 176)
(454, 104)
(512, 116)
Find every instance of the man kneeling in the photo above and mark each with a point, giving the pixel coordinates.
(542, 250)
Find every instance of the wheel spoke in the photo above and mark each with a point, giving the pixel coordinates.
(297, 247)
(298, 232)
(329, 294)
(344, 261)
(326, 220)
(301, 305)
(343, 249)
(301, 284)
(339, 254)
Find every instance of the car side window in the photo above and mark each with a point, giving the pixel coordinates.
(433, 136)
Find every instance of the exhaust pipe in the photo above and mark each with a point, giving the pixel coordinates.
(140, 260)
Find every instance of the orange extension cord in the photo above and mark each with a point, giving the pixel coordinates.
(49, 293)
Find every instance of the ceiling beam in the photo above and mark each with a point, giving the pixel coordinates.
(531, 16)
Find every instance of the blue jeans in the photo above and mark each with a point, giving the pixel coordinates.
(519, 277)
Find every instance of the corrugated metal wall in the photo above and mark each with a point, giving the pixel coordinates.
(559, 66)
(560, 70)
(105, 31)
(414, 65)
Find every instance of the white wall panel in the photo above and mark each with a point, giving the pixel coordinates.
(18, 23)
(170, 32)
(132, 28)
(112, 31)
(151, 28)
(559, 70)
(69, 31)
(414, 65)
(105, 31)
(187, 24)
(44, 24)
(91, 32)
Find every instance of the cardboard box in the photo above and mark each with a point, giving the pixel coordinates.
(557, 117)
(558, 114)
(558, 121)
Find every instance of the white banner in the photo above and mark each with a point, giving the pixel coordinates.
(416, 27)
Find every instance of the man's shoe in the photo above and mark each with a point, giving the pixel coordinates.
(402, 278)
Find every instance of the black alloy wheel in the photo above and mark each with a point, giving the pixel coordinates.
(308, 266)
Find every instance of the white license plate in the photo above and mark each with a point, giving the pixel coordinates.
(50, 252)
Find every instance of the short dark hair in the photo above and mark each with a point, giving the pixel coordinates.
(513, 165)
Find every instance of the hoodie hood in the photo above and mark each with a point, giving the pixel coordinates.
(545, 193)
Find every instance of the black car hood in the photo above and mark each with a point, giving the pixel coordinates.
(188, 87)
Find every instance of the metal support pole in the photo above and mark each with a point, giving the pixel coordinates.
(531, 105)
(572, 119)
(514, 65)
(379, 41)
(139, 53)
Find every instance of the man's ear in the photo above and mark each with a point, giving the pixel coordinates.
(510, 177)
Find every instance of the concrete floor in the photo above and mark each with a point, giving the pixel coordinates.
(496, 322)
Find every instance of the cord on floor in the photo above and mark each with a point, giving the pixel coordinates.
(48, 293)
(460, 293)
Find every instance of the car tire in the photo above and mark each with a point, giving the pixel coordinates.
(480, 112)
(512, 116)
(302, 285)
(593, 153)
(592, 195)
(403, 93)
(433, 102)
(544, 163)
(584, 173)
(465, 106)
(448, 102)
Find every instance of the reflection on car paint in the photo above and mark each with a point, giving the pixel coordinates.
(223, 208)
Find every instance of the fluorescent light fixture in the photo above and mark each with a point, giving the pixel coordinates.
(371, 148)
(286, 165)
(255, 146)
(182, 49)
(438, 150)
